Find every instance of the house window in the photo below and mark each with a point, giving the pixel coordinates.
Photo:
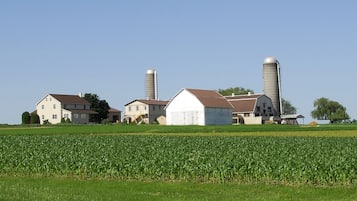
(54, 116)
(137, 108)
(264, 105)
(153, 107)
(43, 107)
(76, 116)
(54, 106)
(43, 117)
(129, 108)
(258, 108)
(83, 116)
(65, 116)
(145, 107)
(246, 114)
(269, 109)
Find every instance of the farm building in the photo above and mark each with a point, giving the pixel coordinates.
(144, 111)
(198, 107)
(251, 109)
(53, 107)
(114, 115)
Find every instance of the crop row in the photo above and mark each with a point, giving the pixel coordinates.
(190, 158)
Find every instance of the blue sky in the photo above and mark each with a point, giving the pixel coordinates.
(105, 47)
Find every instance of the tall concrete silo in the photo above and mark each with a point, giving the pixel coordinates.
(272, 84)
(151, 85)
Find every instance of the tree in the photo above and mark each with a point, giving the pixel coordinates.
(235, 91)
(100, 106)
(288, 108)
(26, 117)
(326, 109)
(35, 119)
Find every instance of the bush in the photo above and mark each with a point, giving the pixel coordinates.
(34, 119)
(26, 118)
(68, 121)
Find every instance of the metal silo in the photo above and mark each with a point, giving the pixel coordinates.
(151, 85)
(272, 84)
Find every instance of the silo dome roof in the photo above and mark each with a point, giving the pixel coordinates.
(270, 60)
(150, 71)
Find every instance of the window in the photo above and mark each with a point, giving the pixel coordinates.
(129, 108)
(137, 108)
(145, 107)
(76, 116)
(54, 116)
(43, 107)
(54, 106)
(246, 114)
(43, 117)
(153, 107)
(258, 108)
(264, 105)
(65, 116)
(83, 116)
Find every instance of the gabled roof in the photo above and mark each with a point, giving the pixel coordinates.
(210, 98)
(113, 110)
(69, 99)
(244, 103)
(149, 102)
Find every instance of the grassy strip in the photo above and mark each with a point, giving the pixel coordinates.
(29, 188)
(230, 130)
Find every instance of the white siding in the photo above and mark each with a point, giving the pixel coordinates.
(49, 109)
(185, 109)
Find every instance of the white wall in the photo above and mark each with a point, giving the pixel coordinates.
(185, 109)
(49, 109)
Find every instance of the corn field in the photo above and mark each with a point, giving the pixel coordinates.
(311, 160)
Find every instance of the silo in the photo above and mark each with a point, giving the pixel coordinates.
(151, 85)
(272, 85)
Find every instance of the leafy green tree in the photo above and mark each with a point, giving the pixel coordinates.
(235, 91)
(34, 119)
(26, 118)
(288, 108)
(63, 120)
(326, 109)
(100, 106)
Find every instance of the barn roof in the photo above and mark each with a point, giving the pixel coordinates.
(244, 103)
(210, 98)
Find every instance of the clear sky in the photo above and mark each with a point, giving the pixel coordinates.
(105, 47)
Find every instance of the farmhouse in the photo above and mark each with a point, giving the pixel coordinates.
(53, 107)
(144, 111)
(198, 107)
(251, 108)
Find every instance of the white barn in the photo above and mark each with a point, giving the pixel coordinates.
(198, 107)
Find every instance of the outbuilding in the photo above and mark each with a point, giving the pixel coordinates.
(198, 107)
